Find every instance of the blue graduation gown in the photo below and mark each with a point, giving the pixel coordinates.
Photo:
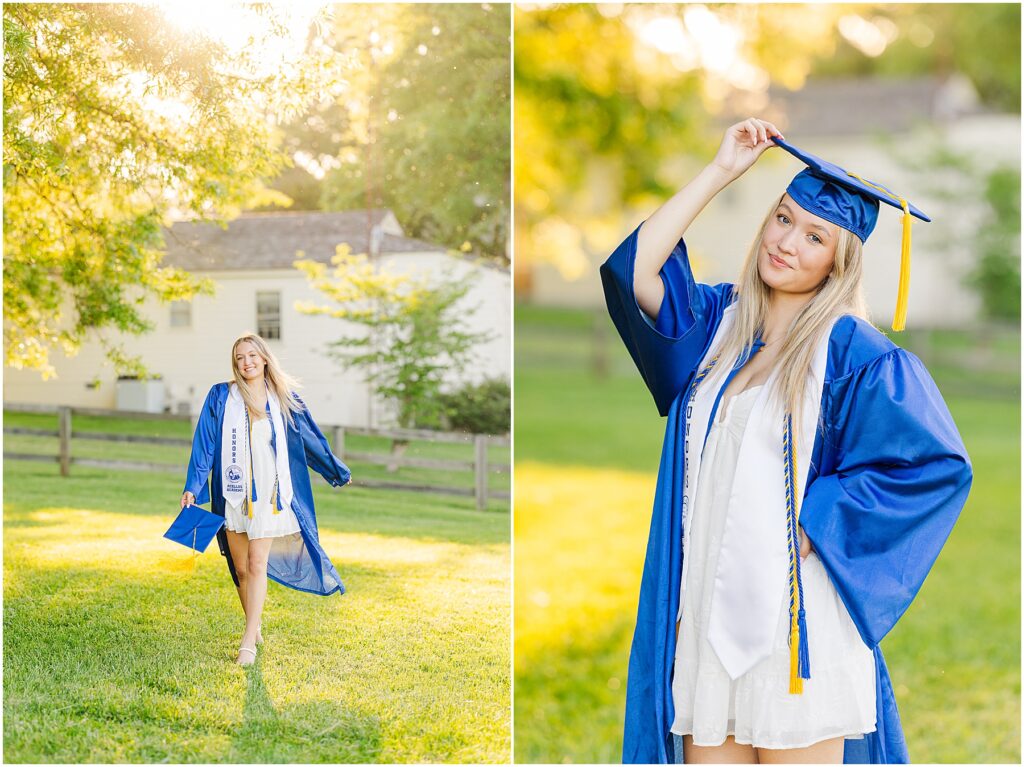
(889, 475)
(300, 564)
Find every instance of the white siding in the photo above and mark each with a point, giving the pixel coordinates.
(194, 358)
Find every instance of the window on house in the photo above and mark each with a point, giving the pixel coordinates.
(268, 314)
(181, 314)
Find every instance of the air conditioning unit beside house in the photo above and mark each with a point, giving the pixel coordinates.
(146, 396)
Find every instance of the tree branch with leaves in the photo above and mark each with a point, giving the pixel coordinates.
(411, 333)
(115, 122)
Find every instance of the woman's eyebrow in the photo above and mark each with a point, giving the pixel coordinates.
(819, 227)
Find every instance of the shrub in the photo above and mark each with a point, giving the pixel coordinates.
(484, 408)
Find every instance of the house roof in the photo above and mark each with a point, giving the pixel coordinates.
(861, 105)
(271, 240)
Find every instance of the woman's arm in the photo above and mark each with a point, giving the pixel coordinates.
(895, 477)
(204, 443)
(743, 143)
(318, 452)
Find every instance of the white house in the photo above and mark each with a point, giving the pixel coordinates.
(842, 121)
(257, 288)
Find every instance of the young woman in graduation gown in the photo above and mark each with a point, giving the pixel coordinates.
(810, 474)
(254, 440)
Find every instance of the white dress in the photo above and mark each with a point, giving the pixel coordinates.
(757, 708)
(267, 521)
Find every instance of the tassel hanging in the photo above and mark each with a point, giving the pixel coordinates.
(899, 321)
(805, 659)
(796, 682)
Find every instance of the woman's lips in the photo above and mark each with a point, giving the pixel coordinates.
(778, 262)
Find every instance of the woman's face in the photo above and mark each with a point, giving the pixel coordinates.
(797, 250)
(248, 362)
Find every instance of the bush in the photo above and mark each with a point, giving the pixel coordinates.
(484, 408)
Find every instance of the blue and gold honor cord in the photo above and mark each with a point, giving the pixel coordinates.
(252, 473)
(799, 656)
(252, 477)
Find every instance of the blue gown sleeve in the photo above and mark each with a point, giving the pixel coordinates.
(318, 452)
(894, 476)
(204, 443)
(667, 351)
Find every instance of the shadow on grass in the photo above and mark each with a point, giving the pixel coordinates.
(270, 734)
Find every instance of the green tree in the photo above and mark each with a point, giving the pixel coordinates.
(427, 126)
(997, 275)
(979, 40)
(612, 101)
(113, 121)
(988, 196)
(412, 330)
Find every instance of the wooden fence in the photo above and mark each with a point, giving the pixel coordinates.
(982, 359)
(400, 440)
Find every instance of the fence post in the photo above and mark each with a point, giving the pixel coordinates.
(339, 442)
(480, 469)
(64, 429)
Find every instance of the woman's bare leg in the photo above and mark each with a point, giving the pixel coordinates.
(730, 752)
(238, 545)
(256, 593)
(826, 752)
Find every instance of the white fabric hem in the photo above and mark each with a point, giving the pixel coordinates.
(855, 733)
(252, 537)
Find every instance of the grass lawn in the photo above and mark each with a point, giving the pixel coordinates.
(586, 464)
(115, 651)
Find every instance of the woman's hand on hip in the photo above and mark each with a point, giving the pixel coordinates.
(743, 143)
(187, 499)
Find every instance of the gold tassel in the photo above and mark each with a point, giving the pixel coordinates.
(796, 684)
(902, 292)
(899, 320)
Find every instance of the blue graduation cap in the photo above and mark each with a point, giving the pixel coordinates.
(194, 527)
(850, 201)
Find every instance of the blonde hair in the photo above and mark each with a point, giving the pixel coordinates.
(279, 382)
(840, 293)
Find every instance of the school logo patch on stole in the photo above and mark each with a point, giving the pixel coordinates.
(233, 474)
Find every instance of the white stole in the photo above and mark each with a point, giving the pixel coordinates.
(234, 450)
(751, 578)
